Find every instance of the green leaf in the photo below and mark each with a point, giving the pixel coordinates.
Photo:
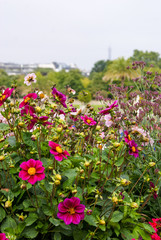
(117, 216)
(57, 236)
(47, 210)
(126, 234)
(119, 161)
(30, 232)
(12, 141)
(31, 219)
(54, 221)
(4, 127)
(79, 234)
(8, 223)
(2, 214)
(71, 175)
(91, 220)
(144, 235)
(148, 228)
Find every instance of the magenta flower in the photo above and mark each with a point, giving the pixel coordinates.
(59, 97)
(43, 120)
(6, 94)
(27, 99)
(133, 149)
(30, 78)
(3, 236)
(107, 110)
(57, 151)
(71, 211)
(28, 110)
(32, 171)
(127, 137)
(88, 120)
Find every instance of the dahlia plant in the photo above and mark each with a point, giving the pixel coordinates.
(68, 173)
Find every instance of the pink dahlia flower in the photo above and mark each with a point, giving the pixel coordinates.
(71, 211)
(30, 78)
(32, 171)
(27, 99)
(107, 110)
(3, 236)
(133, 149)
(57, 151)
(6, 94)
(88, 120)
(59, 97)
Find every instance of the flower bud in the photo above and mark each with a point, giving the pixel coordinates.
(134, 205)
(8, 204)
(21, 124)
(115, 200)
(81, 171)
(98, 127)
(58, 177)
(53, 106)
(151, 164)
(102, 222)
(57, 182)
(116, 144)
(59, 129)
(38, 109)
(23, 186)
(86, 164)
(89, 212)
(74, 191)
(21, 218)
(2, 158)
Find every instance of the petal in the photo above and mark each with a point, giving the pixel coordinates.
(32, 179)
(24, 175)
(60, 215)
(38, 164)
(53, 152)
(53, 144)
(75, 201)
(62, 208)
(82, 216)
(80, 208)
(24, 166)
(68, 218)
(31, 163)
(40, 176)
(76, 218)
(68, 203)
(66, 153)
(59, 157)
(40, 170)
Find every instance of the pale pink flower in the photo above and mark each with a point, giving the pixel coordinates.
(30, 78)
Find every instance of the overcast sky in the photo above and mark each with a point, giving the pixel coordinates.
(77, 31)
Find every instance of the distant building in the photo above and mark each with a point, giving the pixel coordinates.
(18, 69)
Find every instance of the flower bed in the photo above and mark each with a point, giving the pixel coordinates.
(68, 173)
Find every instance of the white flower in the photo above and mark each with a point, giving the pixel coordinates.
(108, 121)
(30, 78)
(42, 96)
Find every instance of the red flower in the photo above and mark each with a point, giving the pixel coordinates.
(27, 99)
(3, 236)
(127, 137)
(71, 211)
(107, 110)
(7, 93)
(88, 120)
(32, 171)
(57, 151)
(133, 149)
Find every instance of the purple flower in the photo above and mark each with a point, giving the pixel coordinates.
(57, 151)
(88, 120)
(71, 211)
(107, 110)
(59, 97)
(27, 99)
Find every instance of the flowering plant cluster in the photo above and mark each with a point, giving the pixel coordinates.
(80, 173)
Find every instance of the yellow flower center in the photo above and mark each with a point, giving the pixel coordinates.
(31, 171)
(71, 211)
(58, 149)
(2, 98)
(30, 79)
(133, 149)
(88, 121)
(26, 99)
(129, 137)
(41, 95)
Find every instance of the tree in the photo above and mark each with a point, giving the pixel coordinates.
(148, 57)
(117, 70)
